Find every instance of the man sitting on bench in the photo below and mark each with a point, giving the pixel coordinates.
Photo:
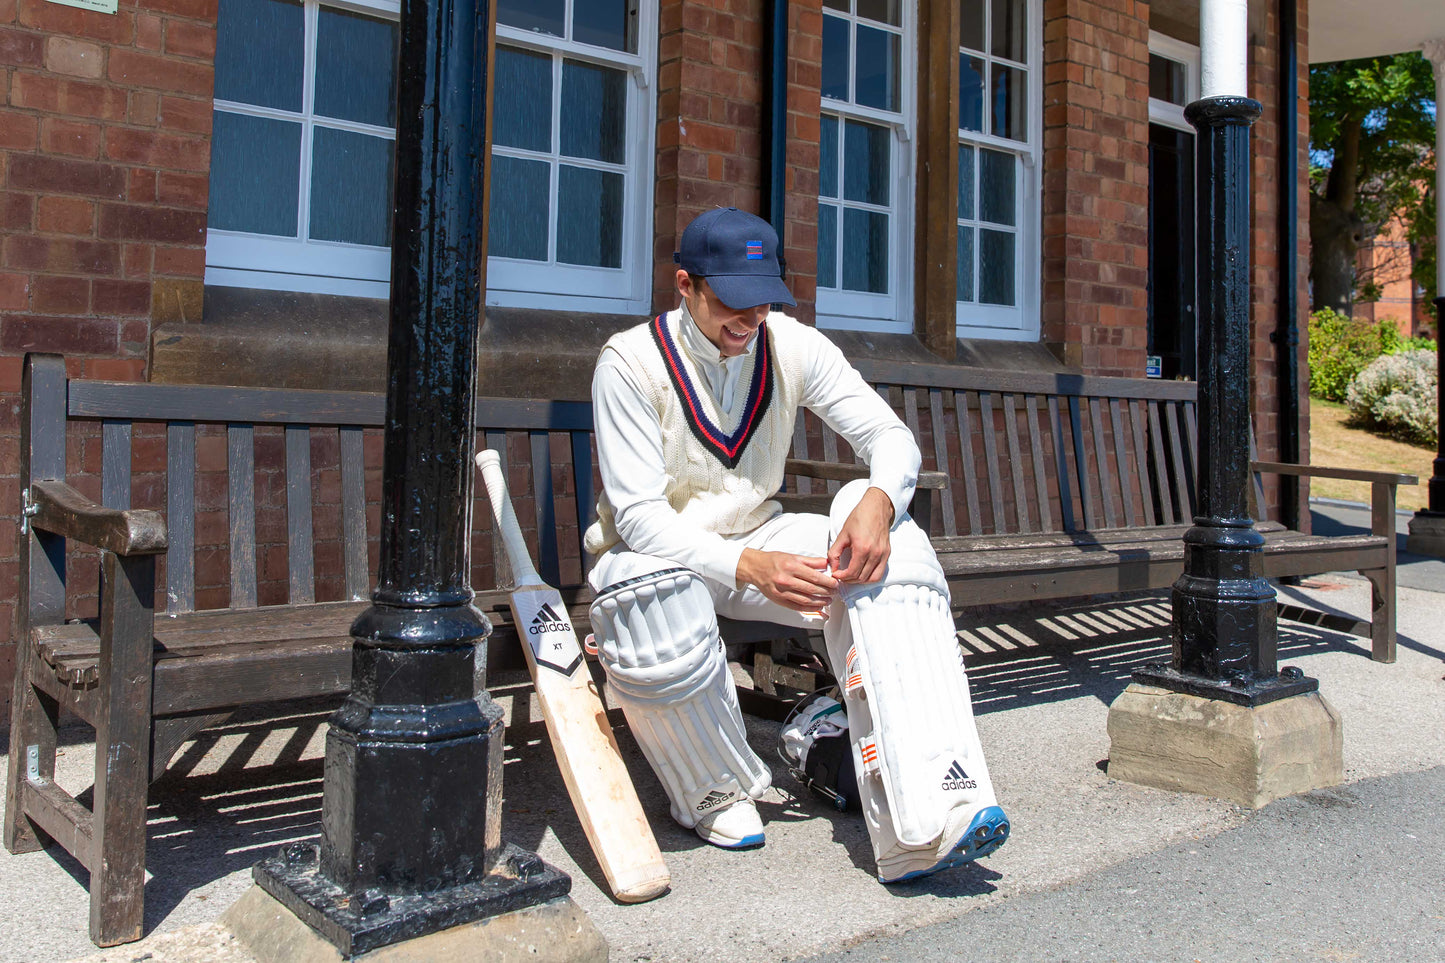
(694, 416)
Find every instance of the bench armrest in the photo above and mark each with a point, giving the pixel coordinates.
(1346, 474)
(56, 507)
(837, 471)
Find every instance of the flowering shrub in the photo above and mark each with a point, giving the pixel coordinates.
(1340, 348)
(1396, 394)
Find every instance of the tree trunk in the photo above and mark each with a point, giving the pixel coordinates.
(1335, 229)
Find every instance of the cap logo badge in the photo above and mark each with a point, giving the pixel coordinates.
(755, 250)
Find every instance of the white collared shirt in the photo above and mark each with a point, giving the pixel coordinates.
(634, 475)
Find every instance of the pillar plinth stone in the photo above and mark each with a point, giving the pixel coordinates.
(1248, 755)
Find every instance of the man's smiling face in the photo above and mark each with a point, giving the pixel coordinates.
(729, 329)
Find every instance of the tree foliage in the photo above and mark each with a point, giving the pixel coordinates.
(1372, 138)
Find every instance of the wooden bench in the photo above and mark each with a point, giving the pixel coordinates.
(245, 593)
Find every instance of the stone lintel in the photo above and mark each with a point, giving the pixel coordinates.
(555, 930)
(1247, 755)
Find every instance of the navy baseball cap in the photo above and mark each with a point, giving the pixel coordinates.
(738, 254)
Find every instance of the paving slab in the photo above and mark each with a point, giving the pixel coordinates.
(1043, 680)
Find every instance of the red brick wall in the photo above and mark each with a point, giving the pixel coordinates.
(710, 128)
(104, 154)
(1096, 184)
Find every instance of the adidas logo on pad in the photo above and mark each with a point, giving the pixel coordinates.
(714, 799)
(548, 620)
(956, 779)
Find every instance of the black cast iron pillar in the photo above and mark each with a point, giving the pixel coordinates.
(1224, 610)
(411, 821)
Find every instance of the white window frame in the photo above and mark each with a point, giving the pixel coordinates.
(857, 310)
(1020, 321)
(240, 259)
(515, 282)
(1186, 55)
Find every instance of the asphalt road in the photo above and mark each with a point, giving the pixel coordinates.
(1352, 873)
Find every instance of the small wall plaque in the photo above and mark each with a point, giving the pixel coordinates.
(1153, 366)
(99, 6)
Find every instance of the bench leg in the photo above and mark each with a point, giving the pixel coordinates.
(1382, 613)
(122, 752)
(34, 719)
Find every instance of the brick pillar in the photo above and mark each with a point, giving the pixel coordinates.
(105, 153)
(1096, 184)
(709, 128)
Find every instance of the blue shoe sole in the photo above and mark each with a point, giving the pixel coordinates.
(988, 831)
(747, 842)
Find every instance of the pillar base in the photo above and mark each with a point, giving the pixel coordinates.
(1248, 755)
(554, 930)
(1427, 534)
(357, 923)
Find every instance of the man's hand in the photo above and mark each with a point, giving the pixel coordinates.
(797, 582)
(863, 540)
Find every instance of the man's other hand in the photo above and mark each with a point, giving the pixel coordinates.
(860, 552)
(797, 582)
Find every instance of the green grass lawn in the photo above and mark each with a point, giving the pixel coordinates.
(1334, 444)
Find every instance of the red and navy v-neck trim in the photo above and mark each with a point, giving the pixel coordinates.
(727, 448)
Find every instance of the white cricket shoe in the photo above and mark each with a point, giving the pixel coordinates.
(985, 830)
(737, 826)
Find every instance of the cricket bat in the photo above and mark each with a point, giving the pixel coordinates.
(601, 791)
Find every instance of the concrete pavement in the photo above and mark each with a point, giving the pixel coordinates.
(1043, 680)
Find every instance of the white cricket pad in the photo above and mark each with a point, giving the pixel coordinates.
(658, 640)
(910, 715)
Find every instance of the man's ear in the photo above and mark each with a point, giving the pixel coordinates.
(684, 283)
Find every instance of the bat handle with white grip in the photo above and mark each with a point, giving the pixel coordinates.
(496, 482)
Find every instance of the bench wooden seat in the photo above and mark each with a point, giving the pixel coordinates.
(190, 550)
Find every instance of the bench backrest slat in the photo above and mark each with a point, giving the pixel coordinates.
(1061, 467)
(800, 450)
(940, 459)
(1081, 469)
(115, 439)
(548, 562)
(180, 581)
(586, 500)
(1016, 462)
(830, 453)
(497, 441)
(355, 562)
(1183, 491)
(241, 471)
(986, 420)
(1036, 453)
(965, 450)
(1161, 467)
(301, 572)
(1108, 484)
(1135, 409)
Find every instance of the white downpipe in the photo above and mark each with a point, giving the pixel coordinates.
(1223, 48)
(1434, 51)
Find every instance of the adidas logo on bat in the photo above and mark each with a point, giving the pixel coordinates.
(714, 799)
(956, 778)
(548, 620)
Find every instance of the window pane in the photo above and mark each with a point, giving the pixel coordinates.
(594, 112)
(1010, 103)
(350, 187)
(970, 93)
(865, 163)
(827, 246)
(835, 58)
(837, 4)
(996, 197)
(589, 217)
(995, 267)
(1010, 30)
(523, 81)
(517, 221)
(356, 67)
(1166, 80)
(606, 23)
(877, 68)
(965, 264)
(542, 16)
(828, 155)
(255, 174)
(259, 50)
(884, 11)
(965, 182)
(865, 251)
(970, 29)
